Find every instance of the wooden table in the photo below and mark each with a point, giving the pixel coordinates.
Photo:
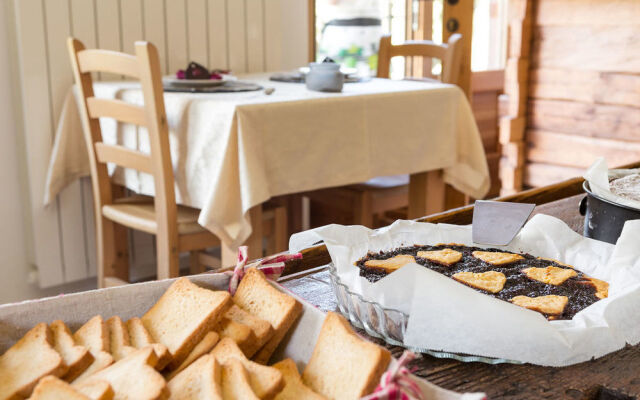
(619, 371)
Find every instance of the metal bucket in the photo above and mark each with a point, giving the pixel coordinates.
(603, 219)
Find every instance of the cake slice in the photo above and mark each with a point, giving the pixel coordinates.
(262, 329)
(257, 296)
(52, 388)
(140, 338)
(265, 381)
(344, 366)
(77, 358)
(294, 388)
(94, 335)
(206, 345)
(235, 382)
(199, 381)
(134, 377)
(30, 359)
(183, 316)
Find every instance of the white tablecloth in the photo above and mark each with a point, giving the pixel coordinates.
(233, 151)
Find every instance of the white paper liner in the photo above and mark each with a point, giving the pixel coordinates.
(448, 316)
(598, 177)
(134, 300)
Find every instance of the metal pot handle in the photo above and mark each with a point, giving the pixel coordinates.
(583, 206)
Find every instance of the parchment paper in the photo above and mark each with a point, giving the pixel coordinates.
(134, 300)
(598, 177)
(446, 315)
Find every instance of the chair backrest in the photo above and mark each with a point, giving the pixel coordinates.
(144, 66)
(450, 54)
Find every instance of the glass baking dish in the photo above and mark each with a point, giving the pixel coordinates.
(388, 324)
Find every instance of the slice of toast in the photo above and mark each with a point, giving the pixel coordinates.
(183, 316)
(30, 359)
(256, 295)
(199, 381)
(344, 366)
(134, 377)
(77, 358)
(52, 388)
(119, 342)
(240, 333)
(206, 345)
(262, 329)
(96, 390)
(294, 389)
(139, 338)
(265, 381)
(235, 382)
(94, 335)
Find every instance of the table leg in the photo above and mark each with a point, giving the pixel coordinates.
(426, 194)
(229, 255)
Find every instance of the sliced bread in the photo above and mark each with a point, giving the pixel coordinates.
(119, 342)
(207, 343)
(52, 388)
(262, 329)
(77, 358)
(30, 359)
(183, 316)
(235, 382)
(294, 389)
(265, 381)
(139, 338)
(344, 366)
(96, 390)
(239, 333)
(94, 335)
(199, 381)
(257, 296)
(134, 377)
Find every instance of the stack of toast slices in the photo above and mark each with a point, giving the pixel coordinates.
(193, 344)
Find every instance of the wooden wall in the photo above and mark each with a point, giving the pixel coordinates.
(583, 87)
(244, 35)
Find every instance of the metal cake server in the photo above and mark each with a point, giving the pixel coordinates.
(497, 222)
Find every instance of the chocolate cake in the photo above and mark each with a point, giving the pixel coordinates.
(556, 290)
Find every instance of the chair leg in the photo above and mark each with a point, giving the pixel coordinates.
(280, 230)
(195, 266)
(363, 214)
(167, 258)
(113, 254)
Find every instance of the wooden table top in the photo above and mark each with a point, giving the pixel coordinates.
(618, 372)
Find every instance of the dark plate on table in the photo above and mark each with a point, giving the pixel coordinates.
(226, 87)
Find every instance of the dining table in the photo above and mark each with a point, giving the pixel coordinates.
(613, 376)
(233, 151)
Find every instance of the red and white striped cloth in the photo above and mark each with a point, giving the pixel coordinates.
(271, 266)
(395, 384)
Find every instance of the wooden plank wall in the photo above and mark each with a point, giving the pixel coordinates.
(244, 35)
(583, 87)
(486, 87)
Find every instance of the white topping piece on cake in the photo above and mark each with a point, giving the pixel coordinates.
(490, 281)
(550, 275)
(496, 258)
(551, 304)
(446, 257)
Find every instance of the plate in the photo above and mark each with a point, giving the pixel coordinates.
(346, 71)
(172, 80)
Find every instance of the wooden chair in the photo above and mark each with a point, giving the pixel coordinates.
(370, 200)
(175, 227)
